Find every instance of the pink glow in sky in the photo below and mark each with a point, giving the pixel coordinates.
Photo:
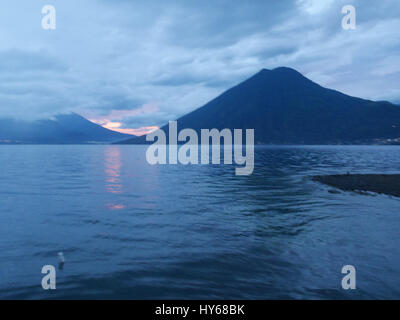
(116, 126)
(114, 120)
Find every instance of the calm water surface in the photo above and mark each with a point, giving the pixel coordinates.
(134, 231)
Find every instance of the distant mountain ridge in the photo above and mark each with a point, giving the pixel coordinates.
(284, 107)
(62, 129)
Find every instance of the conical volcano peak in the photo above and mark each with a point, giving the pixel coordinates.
(278, 70)
(281, 79)
(284, 107)
(279, 73)
(286, 72)
(285, 69)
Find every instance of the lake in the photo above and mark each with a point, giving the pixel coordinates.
(129, 230)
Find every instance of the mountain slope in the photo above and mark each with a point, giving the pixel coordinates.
(284, 107)
(63, 129)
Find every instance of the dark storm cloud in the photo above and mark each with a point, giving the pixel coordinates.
(110, 58)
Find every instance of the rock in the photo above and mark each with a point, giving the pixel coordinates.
(378, 183)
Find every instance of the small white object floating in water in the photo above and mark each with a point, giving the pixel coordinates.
(61, 257)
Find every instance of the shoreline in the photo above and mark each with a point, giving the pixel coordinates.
(388, 184)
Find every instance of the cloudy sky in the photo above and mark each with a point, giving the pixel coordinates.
(133, 64)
